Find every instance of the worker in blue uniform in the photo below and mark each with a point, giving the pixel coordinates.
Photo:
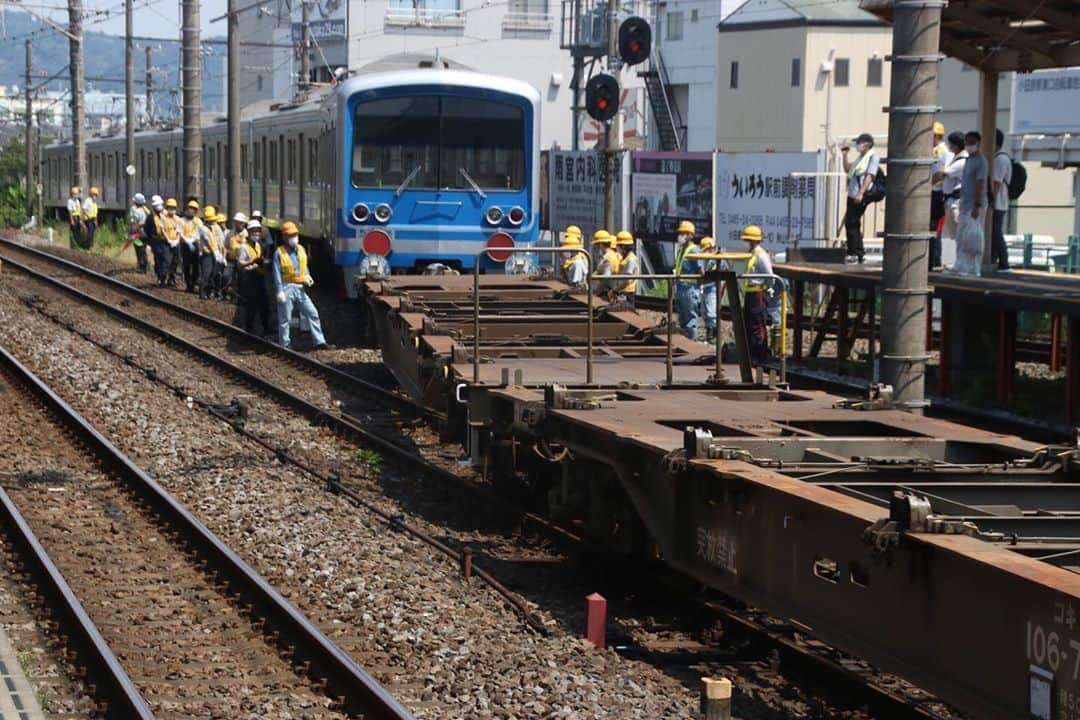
(688, 284)
(291, 278)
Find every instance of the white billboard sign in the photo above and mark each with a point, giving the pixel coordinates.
(755, 189)
(576, 190)
(328, 19)
(1046, 102)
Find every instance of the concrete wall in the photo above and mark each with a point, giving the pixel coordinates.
(764, 111)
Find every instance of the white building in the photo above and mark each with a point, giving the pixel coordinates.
(515, 38)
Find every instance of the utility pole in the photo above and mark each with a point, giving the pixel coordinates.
(192, 100)
(29, 133)
(149, 88)
(129, 92)
(78, 84)
(611, 143)
(912, 105)
(305, 45)
(233, 91)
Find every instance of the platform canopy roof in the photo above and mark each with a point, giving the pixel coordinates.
(1005, 35)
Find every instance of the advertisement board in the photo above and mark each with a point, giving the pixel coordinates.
(1046, 102)
(667, 187)
(575, 190)
(328, 19)
(755, 188)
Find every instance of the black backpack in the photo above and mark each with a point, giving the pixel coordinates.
(1017, 180)
(876, 191)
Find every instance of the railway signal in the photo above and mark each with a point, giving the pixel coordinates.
(602, 97)
(635, 40)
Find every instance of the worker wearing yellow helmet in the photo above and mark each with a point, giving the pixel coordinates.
(943, 157)
(211, 245)
(291, 278)
(575, 263)
(629, 267)
(605, 260)
(192, 231)
(754, 290)
(235, 239)
(708, 288)
(75, 218)
(688, 284)
(90, 218)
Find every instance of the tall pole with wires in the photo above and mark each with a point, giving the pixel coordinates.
(78, 83)
(192, 100)
(305, 45)
(233, 82)
(149, 89)
(129, 91)
(29, 132)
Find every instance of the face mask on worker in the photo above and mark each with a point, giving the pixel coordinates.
(683, 238)
(293, 241)
(971, 149)
(862, 147)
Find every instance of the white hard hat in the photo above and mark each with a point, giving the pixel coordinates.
(256, 213)
(240, 217)
(254, 225)
(140, 199)
(156, 200)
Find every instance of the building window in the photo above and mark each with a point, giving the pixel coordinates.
(841, 72)
(259, 83)
(734, 74)
(796, 72)
(533, 7)
(873, 72)
(694, 15)
(674, 26)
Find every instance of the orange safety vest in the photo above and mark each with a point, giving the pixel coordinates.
(289, 274)
(189, 229)
(236, 240)
(166, 225)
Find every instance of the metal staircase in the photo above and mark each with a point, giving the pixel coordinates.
(669, 125)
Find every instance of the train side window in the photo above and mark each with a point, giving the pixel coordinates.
(243, 162)
(290, 160)
(313, 160)
(272, 170)
(256, 167)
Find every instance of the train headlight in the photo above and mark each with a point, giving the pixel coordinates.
(376, 242)
(383, 212)
(360, 212)
(494, 215)
(516, 215)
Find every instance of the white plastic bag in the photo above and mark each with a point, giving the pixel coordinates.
(969, 245)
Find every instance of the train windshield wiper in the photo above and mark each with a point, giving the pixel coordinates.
(408, 179)
(468, 178)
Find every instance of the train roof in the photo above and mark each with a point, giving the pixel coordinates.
(438, 76)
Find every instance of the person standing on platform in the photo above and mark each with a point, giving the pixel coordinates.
(137, 217)
(942, 156)
(191, 230)
(291, 277)
(755, 311)
(1000, 177)
(969, 233)
(949, 176)
(75, 218)
(250, 279)
(708, 289)
(90, 217)
(861, 173)
(629, 267)
(688, 282)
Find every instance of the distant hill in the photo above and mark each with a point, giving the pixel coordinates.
(104, 58)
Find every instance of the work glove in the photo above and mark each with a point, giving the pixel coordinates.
(281, 297)
(308, 280)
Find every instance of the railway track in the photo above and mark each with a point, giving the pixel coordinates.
(896, 703)
(195, 631)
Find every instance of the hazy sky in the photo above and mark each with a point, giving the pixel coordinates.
(153, 18)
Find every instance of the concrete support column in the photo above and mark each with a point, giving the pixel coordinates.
(912, 106)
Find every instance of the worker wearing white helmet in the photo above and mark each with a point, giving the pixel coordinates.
(234, 240)
(250, 280)
(137, 217)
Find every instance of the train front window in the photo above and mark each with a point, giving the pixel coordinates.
(450, 139)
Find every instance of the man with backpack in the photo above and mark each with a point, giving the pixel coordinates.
(861, 176)
(1001, 176)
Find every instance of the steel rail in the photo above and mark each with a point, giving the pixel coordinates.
(114, 688)
(359, 692)
(354, 384)
(316, 415)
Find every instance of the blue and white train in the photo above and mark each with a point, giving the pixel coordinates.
(396, 170)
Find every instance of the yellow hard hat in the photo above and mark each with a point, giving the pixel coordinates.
(571, 240)
(573, 230)
(209, 212)
(221, 217)
(93, 190)
(707, 242)
(752, 233)
(686, 227)
(289, 229)
(171, 203)
(624, 238)
(193, 204)
(601, 236)
(939, 128)
(75, 191)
